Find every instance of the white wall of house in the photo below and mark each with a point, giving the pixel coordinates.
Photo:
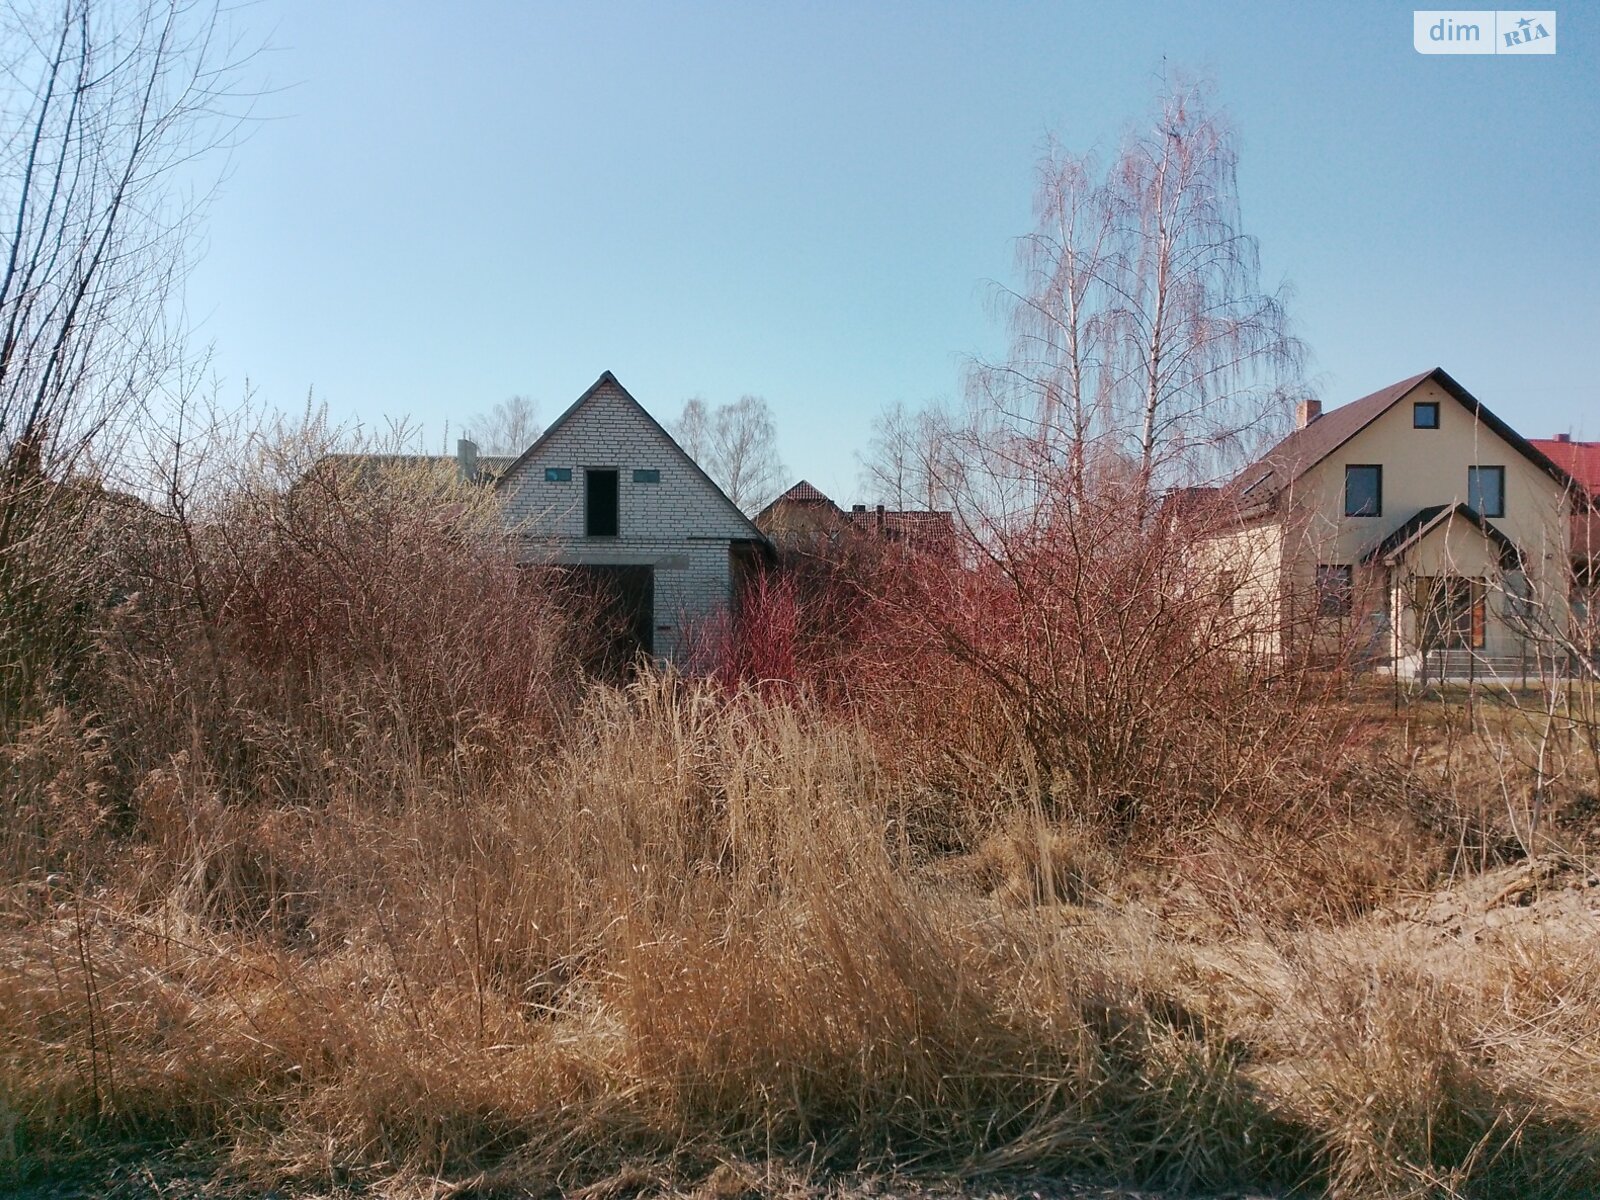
(1249, 562)
(682, 525)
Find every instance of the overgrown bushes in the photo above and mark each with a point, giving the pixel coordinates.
(337, 863)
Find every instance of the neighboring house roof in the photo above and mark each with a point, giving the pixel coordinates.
(608, 379)
(1195, 509)
(923, 526)
(1425, 521)
(1581, 460)
(494, 465)
(1303, 449)
(917, 525)
(801, 493)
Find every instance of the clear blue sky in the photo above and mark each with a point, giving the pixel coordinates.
(453, 203)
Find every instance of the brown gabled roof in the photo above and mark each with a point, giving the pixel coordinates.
(1303, 449)
(802, 493)
(924, 529)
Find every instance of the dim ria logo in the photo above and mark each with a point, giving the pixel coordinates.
(1470, 31)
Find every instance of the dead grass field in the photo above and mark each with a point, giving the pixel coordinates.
(700, 935)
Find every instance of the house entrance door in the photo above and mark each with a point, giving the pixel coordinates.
(1452, 609)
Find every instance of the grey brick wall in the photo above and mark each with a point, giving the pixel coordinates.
(681, 526)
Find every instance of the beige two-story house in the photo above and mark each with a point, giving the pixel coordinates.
(1412, 527)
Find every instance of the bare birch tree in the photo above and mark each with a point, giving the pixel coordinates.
(510, 427)
(1140, 328)
(737, 445)
(692, 430)
(910, 461)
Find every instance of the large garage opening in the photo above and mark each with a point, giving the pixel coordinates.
(623, 601)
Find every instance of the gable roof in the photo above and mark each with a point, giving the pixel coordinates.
(803, 493)
(1303, 449)
(608, 379)
(1425, 521)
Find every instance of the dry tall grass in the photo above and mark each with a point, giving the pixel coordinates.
(697, 932)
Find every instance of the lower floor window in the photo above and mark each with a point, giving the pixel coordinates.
(1335, 590)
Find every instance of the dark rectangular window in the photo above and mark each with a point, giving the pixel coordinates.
(1425, 415)
(1486, 490)
(1363, 491)
(650, 475)
(600, 503)
(1334, 590)
(1227, 591)
(558, 474)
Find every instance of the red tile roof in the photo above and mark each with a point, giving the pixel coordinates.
(803, 493)
(912, 525)
(1581, 460)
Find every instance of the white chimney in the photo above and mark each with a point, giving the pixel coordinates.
(467, 460)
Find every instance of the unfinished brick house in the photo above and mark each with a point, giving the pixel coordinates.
(605, 492)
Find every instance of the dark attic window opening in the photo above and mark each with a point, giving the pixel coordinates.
(647, 475)
(600, 503)
(558, 474)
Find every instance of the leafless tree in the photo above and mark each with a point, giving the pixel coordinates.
(910, 461)
(104, 105)
(1141, 328)
(692, 429)
(106, 109)
(737, 445)
(510, 427)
